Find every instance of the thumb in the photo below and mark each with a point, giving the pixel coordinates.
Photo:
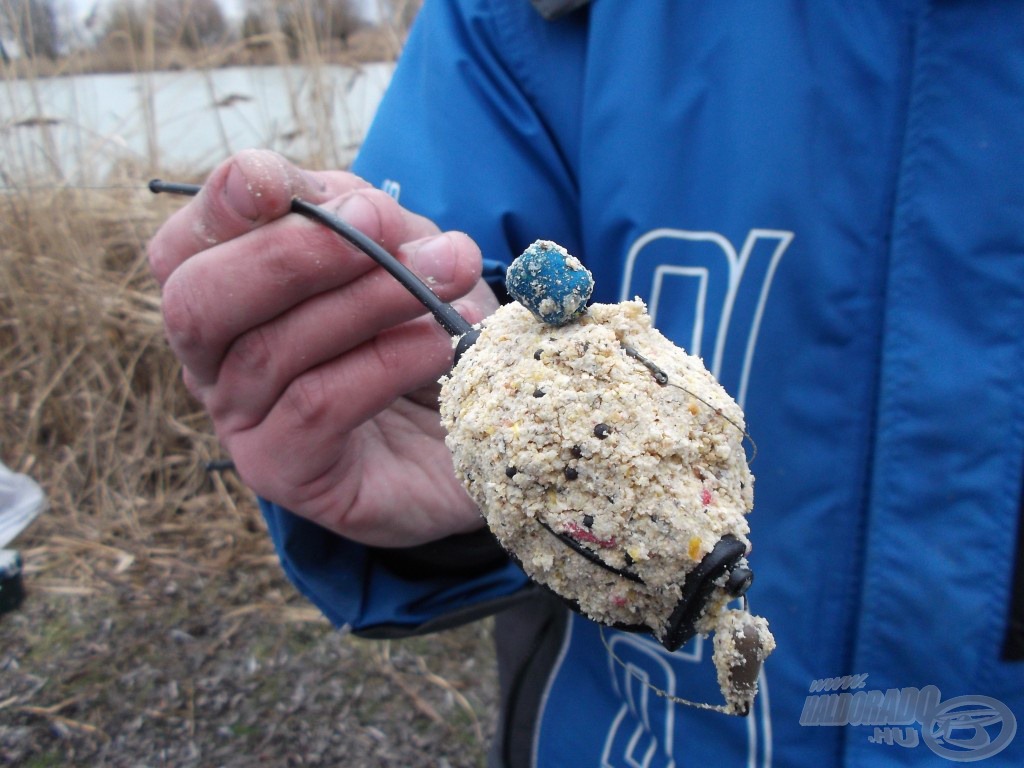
(243, 193)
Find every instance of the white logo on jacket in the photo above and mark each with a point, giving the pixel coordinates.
(729, 289)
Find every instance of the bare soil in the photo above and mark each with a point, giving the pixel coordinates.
(200, 653)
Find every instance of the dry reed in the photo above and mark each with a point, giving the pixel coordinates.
(154, 627)
(93, 402)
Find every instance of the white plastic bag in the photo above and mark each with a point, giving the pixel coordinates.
(21, 501)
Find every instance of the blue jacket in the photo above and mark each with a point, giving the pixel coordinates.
(826, 202)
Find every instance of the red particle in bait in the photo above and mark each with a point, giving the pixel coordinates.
(706, 497)
(582, 534)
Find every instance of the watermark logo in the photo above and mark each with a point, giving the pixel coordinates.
(963, 729)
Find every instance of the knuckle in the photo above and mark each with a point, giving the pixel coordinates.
(194, 388)
(309, 249)
(386, 355)
(306, 400)
(183, 313)
(157, 259)
(374, 212)
(251, 353)
(380, 199)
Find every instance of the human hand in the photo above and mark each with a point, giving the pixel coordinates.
(318, 369)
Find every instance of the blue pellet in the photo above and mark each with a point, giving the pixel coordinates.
(549, 282)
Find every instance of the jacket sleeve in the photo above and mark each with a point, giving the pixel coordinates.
(394, 592)
(458, 139)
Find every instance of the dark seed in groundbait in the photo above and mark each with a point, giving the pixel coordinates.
(602, 430)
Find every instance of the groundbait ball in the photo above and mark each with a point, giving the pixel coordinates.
(609, 463)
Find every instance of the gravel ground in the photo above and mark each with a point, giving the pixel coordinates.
(201, 665)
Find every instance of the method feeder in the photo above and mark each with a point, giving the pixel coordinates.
(723, 567)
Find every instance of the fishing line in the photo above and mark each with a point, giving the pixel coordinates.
(631, 671)
(663, 380)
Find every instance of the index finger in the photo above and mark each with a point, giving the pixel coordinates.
(242, 194)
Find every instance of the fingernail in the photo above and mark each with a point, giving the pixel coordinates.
(238, 193)
(433, 261)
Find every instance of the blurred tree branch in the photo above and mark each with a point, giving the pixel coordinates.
(32, 24)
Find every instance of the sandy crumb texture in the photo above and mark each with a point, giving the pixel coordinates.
(568, 433)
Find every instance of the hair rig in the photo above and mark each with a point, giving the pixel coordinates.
(606, 461)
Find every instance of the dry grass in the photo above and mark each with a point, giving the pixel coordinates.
(158, 628)
(93, 403)
(369, 44)
(92, 399)
(94, 407)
